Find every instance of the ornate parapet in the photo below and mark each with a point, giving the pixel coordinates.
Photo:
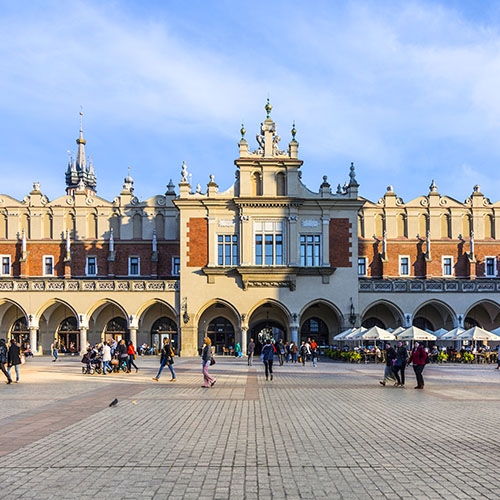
(428, 285)
(86, 285)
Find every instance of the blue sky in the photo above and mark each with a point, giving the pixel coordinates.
(407, 90)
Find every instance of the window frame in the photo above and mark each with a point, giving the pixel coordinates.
(269, 243)
(314, 258)
(45, 260)
(87, 265)
(9, 264)
(494, 262)
(132, 263)
(364, 266)
(402, 264)
(176, 265)
(444, 265)
(227, 250)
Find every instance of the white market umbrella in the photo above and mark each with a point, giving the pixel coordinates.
(343, 335)
(415, 333)
(477, 333)
(398, 330)
(452, 334)
(439, 333)
(375, 333)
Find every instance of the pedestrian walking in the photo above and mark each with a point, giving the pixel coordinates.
(280, 349)
(294, 349)
(54, 347)
(419, 359)
(304, 353)
(206, 361)
(166, 359)
(106, 358)
(267, 358)
(122, 352)
(14, 358)
(237, 350)
(314, 353)
(3, 360)
(132, 353)
(250, 352)
(390, 356)
(400, 363)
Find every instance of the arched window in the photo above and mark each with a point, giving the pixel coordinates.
(445, 226)
(379, 225)
(402, 230)
(137, 227)
(422, 225)
(160, 226)
(280, 184)
(164, 328)
(489, 230)
(221, 333)
(68, 335)
(315, 328)
(3, 226)
(20, 331)
(47, 226)
(114, 224)
(116, 329)
(256, 184)
(92, 226)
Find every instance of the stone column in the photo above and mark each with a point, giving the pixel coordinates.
(244, 339)
(33, 340)
(83, 340)
(133, 335)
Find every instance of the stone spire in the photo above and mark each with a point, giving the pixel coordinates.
(78, 172)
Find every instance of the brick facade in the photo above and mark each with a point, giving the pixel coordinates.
(197, 247)
(340, 243)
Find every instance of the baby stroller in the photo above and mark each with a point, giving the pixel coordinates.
(92, 363)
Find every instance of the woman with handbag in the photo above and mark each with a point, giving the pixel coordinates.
(131, 356)
(167, 358)
(206, 361)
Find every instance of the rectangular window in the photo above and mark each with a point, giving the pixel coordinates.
(490, 267)
(91, 267)
(48, 265)
(362, 266)
(227, 250)
(134, 266)
(404, 265)
(269, 243)
(447, 266)
(176, 266)
(258, 249)
(5, 269)
(310, 250)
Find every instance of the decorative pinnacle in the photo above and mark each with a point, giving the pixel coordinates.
(243, 131)
(268, 108)
(294, 130)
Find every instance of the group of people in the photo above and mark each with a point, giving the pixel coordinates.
(397, 359)
(10, 357)
(111, 356)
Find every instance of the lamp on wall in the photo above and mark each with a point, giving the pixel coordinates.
(352, 314)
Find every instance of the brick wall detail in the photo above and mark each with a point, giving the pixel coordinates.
(197, 246)
(340, 243)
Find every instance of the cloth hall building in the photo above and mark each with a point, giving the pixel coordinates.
(266, 257)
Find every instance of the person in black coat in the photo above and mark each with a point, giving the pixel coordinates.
(390, 356)
(3, 360)
(14, 358)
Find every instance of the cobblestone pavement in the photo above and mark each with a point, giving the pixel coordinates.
(328, 432)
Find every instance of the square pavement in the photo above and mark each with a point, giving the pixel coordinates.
(331, 432)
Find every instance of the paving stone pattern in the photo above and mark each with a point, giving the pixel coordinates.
(331, 432)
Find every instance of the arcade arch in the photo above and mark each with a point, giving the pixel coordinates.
(434, 315)
(382, 314)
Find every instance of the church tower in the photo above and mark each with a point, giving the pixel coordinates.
(79, 176)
